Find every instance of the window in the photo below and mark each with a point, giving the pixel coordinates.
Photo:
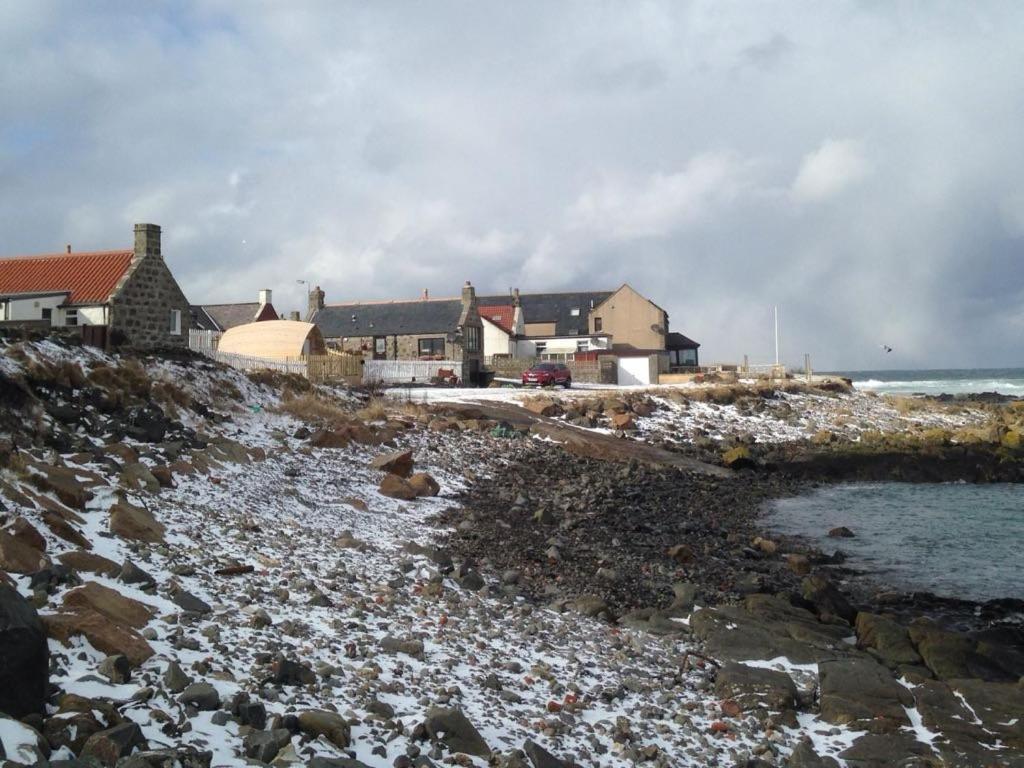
(71, 317)
(542, 347)
(174, 324)
(380, 345)
(432, 347)
(472, 338)
(581, 346)
(597, 325)
(48, 314)
(574, 331)
(575, 311)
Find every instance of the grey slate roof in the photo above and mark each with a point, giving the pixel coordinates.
(555, 308)
(229, 315)
(389, 318)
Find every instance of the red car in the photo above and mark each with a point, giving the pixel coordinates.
(548, 375)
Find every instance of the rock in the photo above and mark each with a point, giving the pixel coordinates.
(325, 438)
(164, 475)
(798, 564)
(137, 477)
(18, 557)
(288, 672)
(753, 688)
(23, 531)
(681, 553)
(264, 745)
(24, 656)
(878, 749)
(398, 463)
(767, 546)
(130, 573)
(540, 757)
(950, 655)
(543, 406)
(623, 421)
(101, 632)
(63, 529)
(202, 696)
(135, 524)
(887, 639)
(862, 694)
(738, 458)
(116, 669)
(390, 644)
(590, 605)
(829, 601)
(174, 678)
(88, 562)
(348, 762)
(68, 485)
(189, 602)
(110, 745)
(424, 484)
(842, 532)
(397, 488)
(72, 729)
(110, 603)
(175, 757)
(804, 756)
(453, 728)
(320, 722)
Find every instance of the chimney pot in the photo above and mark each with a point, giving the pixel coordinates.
(69, 247)
(294, 316)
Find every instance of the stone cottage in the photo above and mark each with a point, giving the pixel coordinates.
(419, 329)
(124, 297)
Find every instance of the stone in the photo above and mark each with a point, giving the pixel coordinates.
(175, 679)
(884, 749)
(623, 421)
(116, 669)
(135, 524)
(110, 745)
(798, 564)
(121, 610)
(71, 730)
(88, 562)
(68, 485)
(540, 757)
(24, 656)
(681, 553)
(64, 530)
(18, 557)
(804, 756)
(398, 463)
(841, 532)
(331, 725)
(397, 487)
(130, 573)
(753, 688)
(101, 632)
(173, 757)
(22, 530)
(202, 696)
(189, 602)
(326, 438)
(390, 644)
(264, 745)
(590, 605)
(738, 458)
(454, 729)
(164, 475)
(137, 477)
(543, 406)
(862, 694)
(424, 484)
(885, 638)
(829, 601)
(288, 672)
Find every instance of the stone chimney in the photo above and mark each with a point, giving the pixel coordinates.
(316, 301)
(294, 316)
(515, 297)
(265, 294)
(468, 294)
(147, 240)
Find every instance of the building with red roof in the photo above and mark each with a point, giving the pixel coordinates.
(125, 296)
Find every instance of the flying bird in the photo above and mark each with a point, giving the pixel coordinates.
(887, 348)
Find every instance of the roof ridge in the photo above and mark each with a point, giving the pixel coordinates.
(72, 255)
(378, 302)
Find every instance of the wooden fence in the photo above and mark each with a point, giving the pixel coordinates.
(323, 368)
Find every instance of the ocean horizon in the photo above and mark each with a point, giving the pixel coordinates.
(938, 381)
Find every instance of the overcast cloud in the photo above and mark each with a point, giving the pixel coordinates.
(859, 164)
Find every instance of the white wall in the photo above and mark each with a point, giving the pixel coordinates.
(638, 370)
(496, 341)
(32, 309)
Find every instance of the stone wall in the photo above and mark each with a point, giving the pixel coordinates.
(404, 347)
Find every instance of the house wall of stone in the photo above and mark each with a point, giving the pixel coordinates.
(142, 304)
(403, 347)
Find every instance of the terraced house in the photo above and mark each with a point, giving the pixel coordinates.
(120, 297)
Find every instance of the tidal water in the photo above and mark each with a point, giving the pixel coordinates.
(952, 539)
(1005, 381)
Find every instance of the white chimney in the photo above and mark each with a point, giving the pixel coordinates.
(264, 296)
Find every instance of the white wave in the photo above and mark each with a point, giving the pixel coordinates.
(944, 386)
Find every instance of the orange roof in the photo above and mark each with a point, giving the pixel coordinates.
(500, 316)
(90, 278)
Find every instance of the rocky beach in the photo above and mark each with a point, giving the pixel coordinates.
(207, 568)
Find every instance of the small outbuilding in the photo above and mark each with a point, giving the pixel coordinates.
(273, 340)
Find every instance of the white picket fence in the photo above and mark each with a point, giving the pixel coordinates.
(407, 371)
(203, 341)
(250, 363)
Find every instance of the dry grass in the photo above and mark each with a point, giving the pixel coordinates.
(128, 378)
(376, 409)
(907, 405)
(312, 407)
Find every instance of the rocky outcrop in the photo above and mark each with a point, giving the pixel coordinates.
(397, 463)
(135, 523)
(454, 729)
(24, 656)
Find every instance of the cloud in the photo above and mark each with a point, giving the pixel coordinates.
(691, 149)
(829, 170)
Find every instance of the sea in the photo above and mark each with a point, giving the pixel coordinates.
(952, 539)
(955, 381)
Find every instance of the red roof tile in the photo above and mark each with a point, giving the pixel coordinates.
(500, 316)
(89, 277)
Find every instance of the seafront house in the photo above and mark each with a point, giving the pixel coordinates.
(113, 298)
(221, 317)
(426, 329)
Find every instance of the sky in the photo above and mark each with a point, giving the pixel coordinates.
(860, 165)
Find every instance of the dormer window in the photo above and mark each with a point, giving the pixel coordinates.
(575, 311)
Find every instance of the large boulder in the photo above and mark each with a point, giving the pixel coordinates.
(78, 560)
(103, 634)
(109, 602)
(826, 598)
(331, 725)
(109, 746)
(453, 728)
(397, 487)
(424, 484)
(754, 688)
(18, 557)
(24, 656)
(862, 694)
(137, 477)
(886, 639)
(134, 523)
(22, 530)
(397, 463)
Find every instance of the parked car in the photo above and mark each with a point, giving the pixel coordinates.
(548, 375)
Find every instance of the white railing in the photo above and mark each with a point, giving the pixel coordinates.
(203, 341)
(407, 371)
